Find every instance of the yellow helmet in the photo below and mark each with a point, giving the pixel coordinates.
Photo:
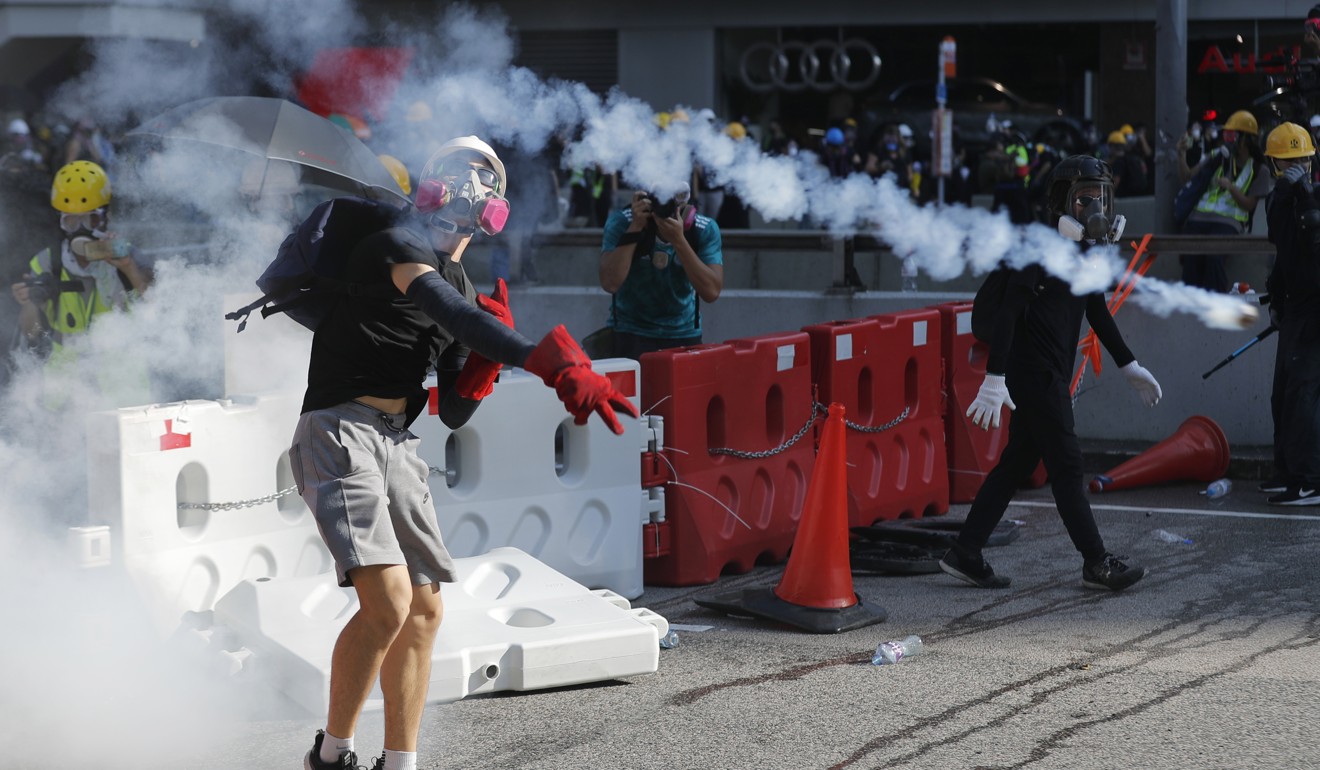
(1117, 137)
(1126, 129)
(398, 171)
(1242, 121)
(736, 131)
(1289, 140)
(79, 187)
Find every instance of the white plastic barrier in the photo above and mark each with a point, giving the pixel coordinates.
(511, 623)
(145, 461)
(521, 474)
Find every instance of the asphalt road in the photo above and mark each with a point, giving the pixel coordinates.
(1212, 661)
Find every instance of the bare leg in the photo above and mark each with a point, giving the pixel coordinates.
(406, 672)
(385, 596)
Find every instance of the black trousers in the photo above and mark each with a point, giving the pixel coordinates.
(1041, 428)
(1295, 399)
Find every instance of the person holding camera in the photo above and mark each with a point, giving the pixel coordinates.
(92, 272)
(657, 260)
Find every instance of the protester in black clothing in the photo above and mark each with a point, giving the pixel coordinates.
(1031, 355)
(354, 460)
(1294, 290)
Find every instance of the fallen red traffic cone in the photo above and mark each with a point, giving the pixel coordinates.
(1197, 451)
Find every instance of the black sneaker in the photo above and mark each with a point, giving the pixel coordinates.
(971, 568)
(1298, 495)
(1273, 486)
(378, 763)
(347, 760)
(1111, 572)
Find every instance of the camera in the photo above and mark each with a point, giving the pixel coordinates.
(666, 210)
(1296, 94)
(46, 287)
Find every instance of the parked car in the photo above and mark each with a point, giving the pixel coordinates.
(973, 101)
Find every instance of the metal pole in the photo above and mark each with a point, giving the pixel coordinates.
(1170, 105)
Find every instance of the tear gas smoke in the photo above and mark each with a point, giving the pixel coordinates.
(81, 683)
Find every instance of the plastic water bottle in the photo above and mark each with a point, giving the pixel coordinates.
(909, 274)
(1218, 489)
(893, 652)
(1169, 537)
(669, 641)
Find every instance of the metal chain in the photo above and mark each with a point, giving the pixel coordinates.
(877, 428)
(240, 504)
(817, 409)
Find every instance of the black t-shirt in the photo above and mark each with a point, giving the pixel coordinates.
(1048, 325)
(369, 346)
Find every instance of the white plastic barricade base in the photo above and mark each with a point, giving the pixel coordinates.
(511, 623)
(195, 496)
(521, 474)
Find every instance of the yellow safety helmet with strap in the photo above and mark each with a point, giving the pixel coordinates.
(80, 187)
(1289, 140)
(1242, 121)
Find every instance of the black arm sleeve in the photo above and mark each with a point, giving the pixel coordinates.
(468, 324)
(1102, 323)
(1017, 295)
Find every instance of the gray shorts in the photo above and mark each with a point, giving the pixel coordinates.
(358, 471)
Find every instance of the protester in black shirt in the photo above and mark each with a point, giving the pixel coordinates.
(1032, 353)
(356, 463)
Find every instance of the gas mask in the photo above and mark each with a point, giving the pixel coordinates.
(460, 198)
(1092, 215)
(84, 228)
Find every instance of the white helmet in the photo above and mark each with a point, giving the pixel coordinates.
(468, 144)
(19, 126)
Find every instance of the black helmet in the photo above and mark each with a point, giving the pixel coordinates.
(1073, 172)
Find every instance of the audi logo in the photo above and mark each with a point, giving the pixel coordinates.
(823, 65)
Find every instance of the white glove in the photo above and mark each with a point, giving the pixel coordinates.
(1143, 382)
(993, 395)
(1222, 151)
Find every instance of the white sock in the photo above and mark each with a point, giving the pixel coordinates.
(333, 747)
(400, 760)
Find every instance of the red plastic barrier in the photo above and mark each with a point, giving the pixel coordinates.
(751, 395)
(876, 367)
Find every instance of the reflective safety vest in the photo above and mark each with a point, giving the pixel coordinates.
(1219, 201)
(1021, 162)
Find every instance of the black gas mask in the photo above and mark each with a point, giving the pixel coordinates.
(1089, 214)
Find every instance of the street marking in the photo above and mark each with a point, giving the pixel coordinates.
(1192, 511)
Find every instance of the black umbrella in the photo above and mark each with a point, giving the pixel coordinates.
(280, 130)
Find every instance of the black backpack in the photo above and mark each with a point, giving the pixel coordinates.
(988, 299)
(305, 278)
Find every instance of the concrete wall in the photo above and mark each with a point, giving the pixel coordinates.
(668, 66)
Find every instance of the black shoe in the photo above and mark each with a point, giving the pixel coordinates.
(378, 763)
(347, 760)
(1273, 486)
(1111, 572)
(971, 568)
(1298, 495)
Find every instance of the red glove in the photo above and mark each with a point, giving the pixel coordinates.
(477, 379)
(559, 361)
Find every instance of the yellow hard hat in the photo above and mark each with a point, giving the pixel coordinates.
(418, 112)
(736, 130)
(398, 171)
(1289, 140)
(80, 187)
(1242, 121)
(662, 119)
(1117, 137)
(1126, 129)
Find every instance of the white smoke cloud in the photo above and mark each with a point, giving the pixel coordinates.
(79, 656)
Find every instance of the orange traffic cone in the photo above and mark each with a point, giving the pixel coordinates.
(1197, 451)
(816, 591)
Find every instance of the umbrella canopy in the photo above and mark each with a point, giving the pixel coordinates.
(280, 130)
